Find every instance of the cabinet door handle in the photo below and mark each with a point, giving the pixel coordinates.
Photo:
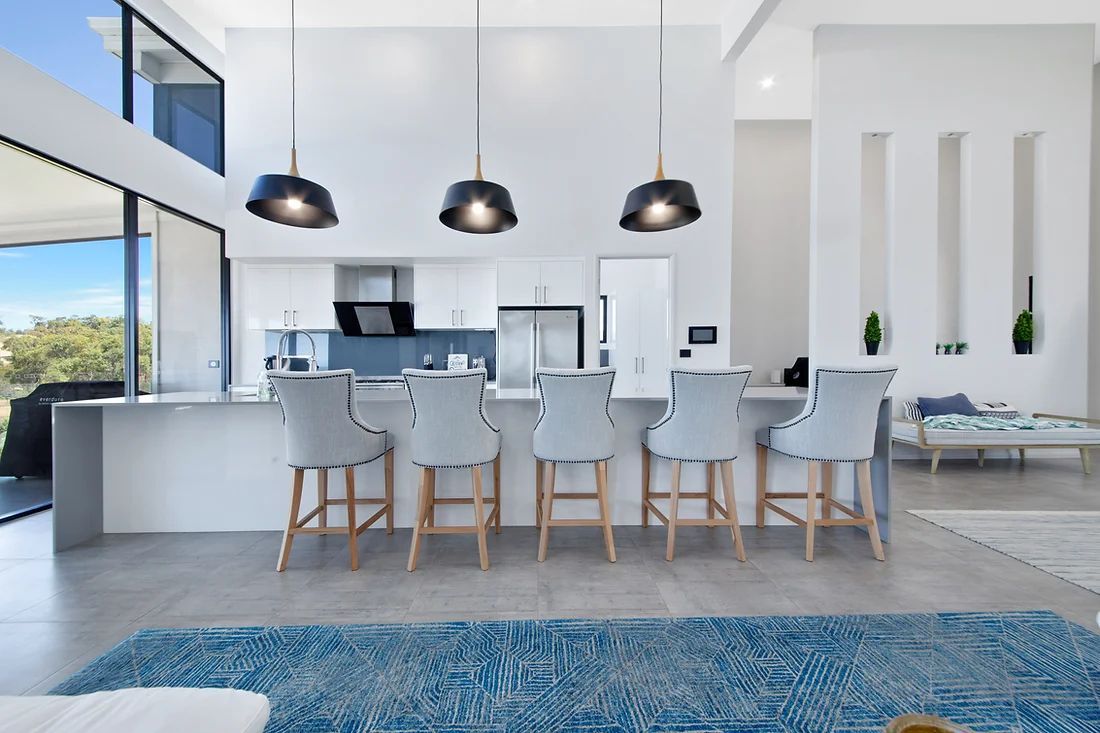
(294, 318)
(286, 317)
(536, 293)
(461, 317)
(544, 298)
(635, 365)
(643, 365)
(452, 316)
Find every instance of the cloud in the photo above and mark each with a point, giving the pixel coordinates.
(12, 254)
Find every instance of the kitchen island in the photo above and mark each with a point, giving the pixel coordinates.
(215, 461)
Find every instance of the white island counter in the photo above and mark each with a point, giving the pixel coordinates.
(215, 461)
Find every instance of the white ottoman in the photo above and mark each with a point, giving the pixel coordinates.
(143, 709)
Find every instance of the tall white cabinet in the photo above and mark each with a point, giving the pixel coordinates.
(639, 325)
(540, 282)
(454, 296)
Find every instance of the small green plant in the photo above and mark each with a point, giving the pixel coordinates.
(1024, 330)
(872, 332)
(947, 348)
(961, 347)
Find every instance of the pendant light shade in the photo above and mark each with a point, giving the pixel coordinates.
(287, 198)
(663, 203)
(477, 206)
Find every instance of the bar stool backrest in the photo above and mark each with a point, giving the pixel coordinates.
(839, 421)
(701, 423)
(449, 427)
(574, 424)
(322, 424)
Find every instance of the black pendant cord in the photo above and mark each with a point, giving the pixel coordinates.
(661, 82)
(478, 66)
(293, 84)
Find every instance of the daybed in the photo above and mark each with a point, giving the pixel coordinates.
(913, 432)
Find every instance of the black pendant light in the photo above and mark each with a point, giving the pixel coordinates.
(478, 206)
(290, 199)
(663, 203)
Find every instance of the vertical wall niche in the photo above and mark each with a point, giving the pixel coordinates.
(950, 212)
(1026, 148)
(876, 231)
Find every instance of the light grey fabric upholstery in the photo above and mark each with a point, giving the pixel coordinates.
(839, 420)
(449, 428)
(322, 424)
(574, 424)
(701, 422)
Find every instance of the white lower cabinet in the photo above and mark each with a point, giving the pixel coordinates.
(454, 296)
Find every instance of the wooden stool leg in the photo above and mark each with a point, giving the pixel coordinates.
(811, 508)
(827, 489)
(353, 538)
(645, 485)
(867, 498)
(292, 522)
(605, 513)
(421, 516)
(673, 509)
(761, 482)
(389, 490)
(731, 508)
(479, 518)
(1086, 462)
(981, 458)
(538, 493)
(1023, 454)
(936, 459)
(710, 492)
(496, 491)
(322, 496)
(547, 508)
(431, 498)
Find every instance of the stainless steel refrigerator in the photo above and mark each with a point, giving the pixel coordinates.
(528, 338)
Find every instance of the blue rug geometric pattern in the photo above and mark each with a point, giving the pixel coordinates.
(994, 672)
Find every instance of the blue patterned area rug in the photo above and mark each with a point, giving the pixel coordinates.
(1011, 672)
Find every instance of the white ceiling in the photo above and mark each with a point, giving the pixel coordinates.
(212, 17)
(35, 191)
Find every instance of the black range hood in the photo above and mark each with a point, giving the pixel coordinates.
(375, 318)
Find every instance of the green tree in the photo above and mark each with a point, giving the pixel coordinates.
(74, 348)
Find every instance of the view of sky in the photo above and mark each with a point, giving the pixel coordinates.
(71, 279)
(54, 36)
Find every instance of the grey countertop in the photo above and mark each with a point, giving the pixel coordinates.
(393, 394)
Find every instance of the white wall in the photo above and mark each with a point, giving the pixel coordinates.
(771, 244)
(1094, 263)
(44, 114)
(783, 54)
(991, 82)
(569, 125)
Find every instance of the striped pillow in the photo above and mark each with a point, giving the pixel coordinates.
(911, 408)
(996, 409)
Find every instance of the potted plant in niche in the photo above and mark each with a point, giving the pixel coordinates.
(1023, 332)
(872, 334)
(961, 346)
(947, 348)
(939, 348)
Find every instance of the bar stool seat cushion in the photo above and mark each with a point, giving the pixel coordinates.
(450, 429)
(574, 424)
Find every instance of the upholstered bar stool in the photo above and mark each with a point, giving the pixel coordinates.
(450, 430)
(699, 426)
(574, 426)
(324, 432)
(836, 426)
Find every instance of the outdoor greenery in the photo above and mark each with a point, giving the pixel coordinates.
(872, 332)
(1024, 330)
(75, 348)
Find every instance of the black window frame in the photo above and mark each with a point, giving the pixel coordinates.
(128, 15)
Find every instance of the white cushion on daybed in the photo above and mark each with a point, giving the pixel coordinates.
(1060, 436)
(141, 710)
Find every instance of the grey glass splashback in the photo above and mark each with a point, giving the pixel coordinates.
(385, 355)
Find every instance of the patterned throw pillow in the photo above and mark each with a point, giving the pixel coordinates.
(996, 409)
(912, 411)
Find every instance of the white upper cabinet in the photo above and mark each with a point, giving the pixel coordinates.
(454, 296)
(540, 282)
(298, 296)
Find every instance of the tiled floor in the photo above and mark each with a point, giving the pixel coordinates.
(56, 613)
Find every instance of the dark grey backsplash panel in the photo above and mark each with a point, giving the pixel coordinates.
(379, 355)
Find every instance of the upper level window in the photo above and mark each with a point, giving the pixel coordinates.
(85, 44)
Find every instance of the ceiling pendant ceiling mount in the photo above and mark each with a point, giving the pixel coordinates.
(663, 203)
(288, 198)
(477, 206)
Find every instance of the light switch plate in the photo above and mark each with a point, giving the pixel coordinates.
(214, 364)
